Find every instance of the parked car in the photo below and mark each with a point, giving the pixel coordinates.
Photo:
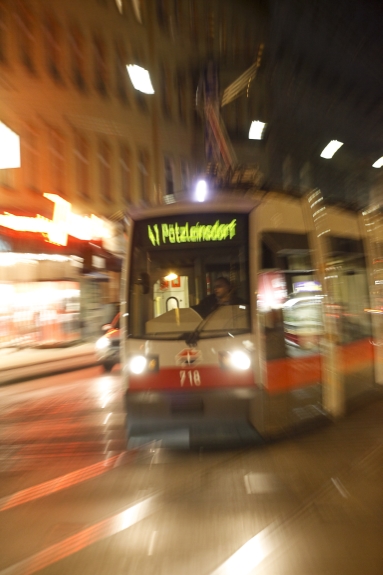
(108, 346)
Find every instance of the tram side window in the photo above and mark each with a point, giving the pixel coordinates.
(289, 297)
(350, 289)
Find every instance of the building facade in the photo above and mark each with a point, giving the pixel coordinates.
(92, 146)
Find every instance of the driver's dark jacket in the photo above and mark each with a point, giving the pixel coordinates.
(210, 304)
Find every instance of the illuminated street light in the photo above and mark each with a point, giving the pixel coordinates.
(140, 79)
(9, 148)
(330, 149)
(201, 191)
(378, 163)
(256, 130)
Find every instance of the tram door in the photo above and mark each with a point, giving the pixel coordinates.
(351, 305)
(291, 316)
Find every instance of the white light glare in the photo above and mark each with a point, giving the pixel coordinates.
(9, 148)
(137, 364)
(140, 79)
(102, 343)
(256, 130)
(240, 360)
(331, 148)
(378, 163)
(201, 191)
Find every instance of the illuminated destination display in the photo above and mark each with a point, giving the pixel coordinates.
(174, 233)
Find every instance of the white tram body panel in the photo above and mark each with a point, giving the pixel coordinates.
(297, 344)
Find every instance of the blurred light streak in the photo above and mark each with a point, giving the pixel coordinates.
(152, 542)
(256, 130)
(378, 163)
(330, 149)
(107, 417)
(62, 482)
(249, 556)
(84, 538)
(140, 79)
(340, 487)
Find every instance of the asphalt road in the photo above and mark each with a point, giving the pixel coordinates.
(74, 500)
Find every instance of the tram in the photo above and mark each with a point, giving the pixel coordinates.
(300, 346)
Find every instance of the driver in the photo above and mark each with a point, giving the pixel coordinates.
(224, 294)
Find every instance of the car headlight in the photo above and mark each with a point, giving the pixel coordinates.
(138, 364)
(102, 343)
(234, 360)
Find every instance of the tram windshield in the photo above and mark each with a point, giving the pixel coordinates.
(189, 277)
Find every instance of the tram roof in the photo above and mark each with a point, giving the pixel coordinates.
(222, 202)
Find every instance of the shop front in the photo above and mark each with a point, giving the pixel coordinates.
(52, 293)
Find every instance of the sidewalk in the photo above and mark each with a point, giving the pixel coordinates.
(18, 364)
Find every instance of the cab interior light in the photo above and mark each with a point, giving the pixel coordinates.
(171, 276)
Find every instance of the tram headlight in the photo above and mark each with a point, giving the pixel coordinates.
(102, 343)
(137, 364)
(237, 359)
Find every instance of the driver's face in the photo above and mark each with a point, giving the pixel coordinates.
(221, 289)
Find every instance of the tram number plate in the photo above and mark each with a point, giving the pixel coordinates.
(190, 377)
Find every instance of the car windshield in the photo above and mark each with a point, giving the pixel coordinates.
(189, 275)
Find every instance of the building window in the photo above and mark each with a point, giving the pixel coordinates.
(77, 58)
(287, 170)
(169, 176)
(143, 169)
(81, 157)
(3, 33)
(184, 175)
(100, 67)
(52, 37)
(57, 161)
(25, 35)
(223, 36)
(193, 19)
(30, 161)
(210, 29)
(125, 172)
(121, 73)
(166, 92)
(181, 96)
(138, 9)
(7, 178)
(105, 171)
(163, 14)
(120, 6)
(305, 176)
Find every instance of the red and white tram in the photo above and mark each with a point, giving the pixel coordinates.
(301, 345)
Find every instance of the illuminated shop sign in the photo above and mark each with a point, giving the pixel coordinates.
(64, 223)
(174, 233)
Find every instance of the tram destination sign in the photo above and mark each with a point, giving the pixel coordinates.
(165, 233)
(192, 231)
